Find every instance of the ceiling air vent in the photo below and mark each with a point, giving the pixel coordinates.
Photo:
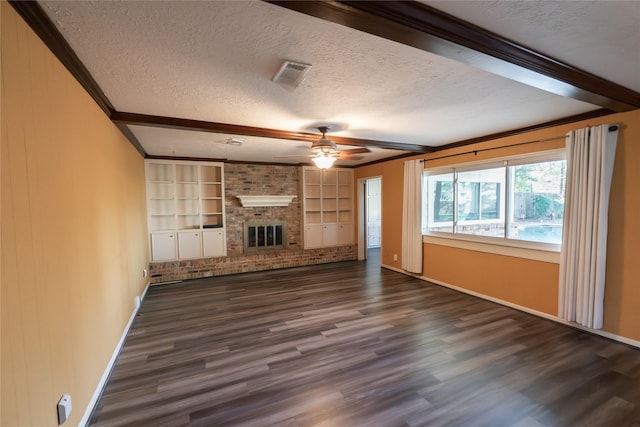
(291, 73)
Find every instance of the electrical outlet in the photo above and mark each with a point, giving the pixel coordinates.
(395, 257)
(64, 408)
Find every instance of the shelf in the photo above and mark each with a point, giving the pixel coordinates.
(211, 190)
(345, 216)
(329, 179)
(210, 174)
(211, 226)
(187, 173)
(312, 176)
(263, 200)
(344, 178)
(159, 173)
(329, 217)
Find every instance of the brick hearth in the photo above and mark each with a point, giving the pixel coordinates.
(268, 260)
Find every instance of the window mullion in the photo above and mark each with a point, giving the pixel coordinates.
(507, 200)
(455, 201)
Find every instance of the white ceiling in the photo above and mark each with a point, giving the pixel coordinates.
(214, 61)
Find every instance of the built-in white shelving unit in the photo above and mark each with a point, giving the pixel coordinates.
(185, 204)
(327, 207)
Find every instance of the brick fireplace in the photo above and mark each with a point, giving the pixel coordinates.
(243, 179)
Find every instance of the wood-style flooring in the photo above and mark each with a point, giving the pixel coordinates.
(350, 344)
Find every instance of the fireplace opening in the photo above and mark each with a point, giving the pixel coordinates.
(264, 235)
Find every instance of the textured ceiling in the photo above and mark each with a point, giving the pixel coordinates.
(214, 61)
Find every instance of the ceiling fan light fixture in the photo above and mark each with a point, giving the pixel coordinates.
(323, 161)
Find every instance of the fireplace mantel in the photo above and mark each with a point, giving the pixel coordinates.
(265, 201)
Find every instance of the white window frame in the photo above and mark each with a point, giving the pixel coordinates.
(547, 252)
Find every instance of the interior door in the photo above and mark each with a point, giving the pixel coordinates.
(373, 212)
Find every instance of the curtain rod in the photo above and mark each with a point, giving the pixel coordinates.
(475, 152)
(612, 128)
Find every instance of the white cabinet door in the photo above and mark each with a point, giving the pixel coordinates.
(313, 236)
(345, 234)
(189, 244)
(163, 246)
(214, 243)
(329, 234)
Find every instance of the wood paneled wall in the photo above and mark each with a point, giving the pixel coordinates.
(73, 233)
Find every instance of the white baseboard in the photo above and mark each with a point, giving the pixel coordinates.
(544, 315)
(105, 375)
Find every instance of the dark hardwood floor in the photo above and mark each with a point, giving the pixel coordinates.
(349, 344)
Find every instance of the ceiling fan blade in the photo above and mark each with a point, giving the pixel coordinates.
(349, 157)
(292, 155)
(356, 151)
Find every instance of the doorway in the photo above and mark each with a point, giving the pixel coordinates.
(370, 214)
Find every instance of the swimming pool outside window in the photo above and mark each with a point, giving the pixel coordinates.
(537, 196)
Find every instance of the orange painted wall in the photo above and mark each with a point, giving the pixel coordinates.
(528, 283)
(392, 173)
(73, 233)
(534, 284)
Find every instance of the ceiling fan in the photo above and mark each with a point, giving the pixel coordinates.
(325, 151)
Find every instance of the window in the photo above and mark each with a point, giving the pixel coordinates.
(519, 200)
(537, 202)
(480, 202)
(440, 202)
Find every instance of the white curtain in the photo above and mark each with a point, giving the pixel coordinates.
(590, 156)
(411, 217)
